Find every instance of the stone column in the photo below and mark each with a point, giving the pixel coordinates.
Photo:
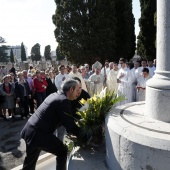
(158, 88)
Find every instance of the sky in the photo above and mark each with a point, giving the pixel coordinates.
(30, 22)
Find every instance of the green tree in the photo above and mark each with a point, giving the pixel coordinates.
(2, 40)
(147, 35)
(23, 53)
(59, 55)
(12, 56)
(35, 52)
(95, 30)
(47, 52)
(85, 30)
(125, 32)
(3, 54)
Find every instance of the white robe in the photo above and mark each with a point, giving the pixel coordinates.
(106, 70)
(139, 71)
(77, 74)
(59, 80)
(134, 83)
(112, 84)
(124, 86)
(142, 83)
(95, 88)
(152, 71)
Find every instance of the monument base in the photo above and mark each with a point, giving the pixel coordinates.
(136, 142)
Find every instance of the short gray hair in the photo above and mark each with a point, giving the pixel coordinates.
(67, 84)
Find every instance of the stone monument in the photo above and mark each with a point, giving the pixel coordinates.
(138, 134)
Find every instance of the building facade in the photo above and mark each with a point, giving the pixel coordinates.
(17, 52)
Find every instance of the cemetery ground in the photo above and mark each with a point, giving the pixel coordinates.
(12, 147)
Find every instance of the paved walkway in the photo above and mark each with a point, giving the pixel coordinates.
(12, 151)
(88, 159)
(12, 148)
(82, 159)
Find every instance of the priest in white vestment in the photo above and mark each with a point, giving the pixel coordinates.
(141, 85)
(112, 84)
(96, 80)
(139, 69)
(151, 68)
(75, 73)
(61, 77)
(103, 70)
(134, 81)
(124, 78)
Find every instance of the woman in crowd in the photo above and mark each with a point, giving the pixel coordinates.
(51, 88)
(13, 80)
(40, 85)
(7, 90)
(22, 92)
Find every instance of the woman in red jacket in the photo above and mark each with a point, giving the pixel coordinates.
(40, 85)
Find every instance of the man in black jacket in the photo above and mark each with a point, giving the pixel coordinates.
(38, 131)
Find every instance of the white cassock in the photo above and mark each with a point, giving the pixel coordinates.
(77, 74)
(134, 83)
(59, 80)
(142, 82)
(95, 88)
(112, 84)
(124, 86)
(106, 70)
(138, 72)
(151, 71)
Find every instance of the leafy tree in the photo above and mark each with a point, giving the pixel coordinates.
(11, 56)
(23, 53)
(147, 35)
(2, 40)
(3, 54)
(35, 52)
(125, 32)
(60, 56)
(47, 52)
(86, 30)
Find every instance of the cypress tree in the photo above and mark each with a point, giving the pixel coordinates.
(85, 30)
(147, 35)
(35, 52)
(125, 33)
(47, 52)
(23, 53)
(11, 56)
(95, 30)
(59, 55)
(3, 54)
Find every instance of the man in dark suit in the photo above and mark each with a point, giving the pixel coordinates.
(38, 131)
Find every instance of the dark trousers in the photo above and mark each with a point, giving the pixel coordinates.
(24, 105)
(31, 103)
(40, 96)
(49, 143)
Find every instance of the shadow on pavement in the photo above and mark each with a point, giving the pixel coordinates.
(12, 149)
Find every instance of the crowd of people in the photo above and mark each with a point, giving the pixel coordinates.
(51, 98)
(29, 88)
